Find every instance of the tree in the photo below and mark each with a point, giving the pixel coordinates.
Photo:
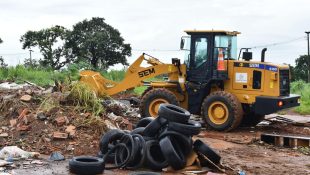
(302, 68)
(31, 63)
(50, 41)
(2, 63)
(98, 43)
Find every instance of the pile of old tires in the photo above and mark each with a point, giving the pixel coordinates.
(156, 143)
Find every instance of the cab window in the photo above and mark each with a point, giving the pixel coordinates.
(229, 44)
(201, 51)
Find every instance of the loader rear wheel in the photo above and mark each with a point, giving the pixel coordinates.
(222, 111)
(153, 98)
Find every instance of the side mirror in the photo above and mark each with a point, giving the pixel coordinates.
(247, 56)
(182, 43)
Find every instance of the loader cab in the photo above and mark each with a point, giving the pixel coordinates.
(205, 52)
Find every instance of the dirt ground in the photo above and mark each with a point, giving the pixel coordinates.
(241, 149)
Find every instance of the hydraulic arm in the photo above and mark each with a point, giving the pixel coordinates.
(134, 76)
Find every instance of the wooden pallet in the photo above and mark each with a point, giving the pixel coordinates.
(286, 140)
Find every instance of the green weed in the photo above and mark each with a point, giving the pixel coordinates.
(303, 89)
(84, 98)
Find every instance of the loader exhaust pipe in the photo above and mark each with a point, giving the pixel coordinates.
(263, 55)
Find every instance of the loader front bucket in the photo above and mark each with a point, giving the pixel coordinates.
(97, 82)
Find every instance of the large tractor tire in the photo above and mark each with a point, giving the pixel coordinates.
(222, 111)
(153, 98)
(251, 119)
(146, 91)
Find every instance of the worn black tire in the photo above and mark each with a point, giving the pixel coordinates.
(153, 94)
(173, 113)
(203, 148)
(116, 149)
(86, 165)
(235, 111)
(182, 141)
(109, 158)
(151, 130)
(155, 159)
(121, 159)
(109, 137)
(139, 130)
(172, 153)
(251, 119)
(144, 122)
(146, 91)
(139, 157)
(190, 128)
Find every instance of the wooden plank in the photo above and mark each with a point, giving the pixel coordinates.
(286, 140)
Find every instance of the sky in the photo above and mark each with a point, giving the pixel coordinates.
(155, 27)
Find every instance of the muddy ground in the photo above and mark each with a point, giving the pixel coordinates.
(241, 150)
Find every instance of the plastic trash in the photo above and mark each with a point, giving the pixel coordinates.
(56, 156)
(13, 152)
(241, 172)
(4, 163)
(10, 158)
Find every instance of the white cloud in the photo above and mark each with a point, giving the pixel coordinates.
(159, 24)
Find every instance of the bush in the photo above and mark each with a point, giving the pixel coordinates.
(303, 89)
(114, 75)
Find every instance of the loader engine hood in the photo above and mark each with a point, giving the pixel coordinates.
(272, 79)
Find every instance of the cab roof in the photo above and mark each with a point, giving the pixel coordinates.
(223, 32)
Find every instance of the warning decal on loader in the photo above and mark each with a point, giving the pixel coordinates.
(241, 77)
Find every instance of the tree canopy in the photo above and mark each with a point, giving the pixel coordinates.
(302, 68)
(50, 42)
(98, 43)
(1, 41)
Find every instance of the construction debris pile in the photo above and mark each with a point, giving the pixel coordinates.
(157, 144)
(41, 120)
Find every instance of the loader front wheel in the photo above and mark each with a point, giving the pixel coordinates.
(153, 98)
(222, 111)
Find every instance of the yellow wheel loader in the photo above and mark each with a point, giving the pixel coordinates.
(215, 82)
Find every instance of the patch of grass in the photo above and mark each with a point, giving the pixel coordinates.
(303, 89)
(83, 97)
(48, 103)
(304, 150)
(139, 90)
(41, 77)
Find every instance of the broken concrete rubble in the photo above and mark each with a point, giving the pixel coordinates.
(25, 98)
(60, 135)
(4, 135)
(23, 128)
(56, 156)
(13, 122)
(70, 130)
(60, 121)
